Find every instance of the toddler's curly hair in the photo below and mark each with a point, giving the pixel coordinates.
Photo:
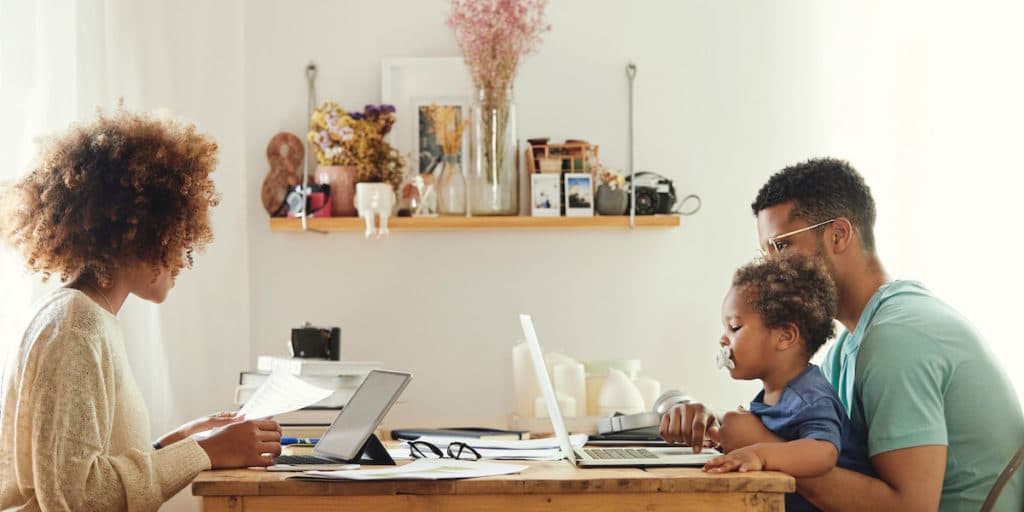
(792, 289)
(126, 187)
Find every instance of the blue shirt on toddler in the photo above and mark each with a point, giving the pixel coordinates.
(810, 409)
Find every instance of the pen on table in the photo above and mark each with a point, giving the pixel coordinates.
(299, 440)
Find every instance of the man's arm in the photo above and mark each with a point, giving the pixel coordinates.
(741, 428)
(690, 423)
(910, 478)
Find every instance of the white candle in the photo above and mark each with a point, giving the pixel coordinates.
(566, 404)
(524, 381)
(570, 381)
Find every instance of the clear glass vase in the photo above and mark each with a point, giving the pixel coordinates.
(451, 188)
(493, 183)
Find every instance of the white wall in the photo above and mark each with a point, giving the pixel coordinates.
(729, 93)
(923, 98)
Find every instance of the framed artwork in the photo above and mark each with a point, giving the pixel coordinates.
(410, 84)
(579, 195)
(545, 195)
(426, 150)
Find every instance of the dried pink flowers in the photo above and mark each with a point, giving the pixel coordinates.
(494, 35)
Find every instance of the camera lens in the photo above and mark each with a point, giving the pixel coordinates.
(644, 201)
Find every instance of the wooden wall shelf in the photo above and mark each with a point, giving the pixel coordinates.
(480, 223)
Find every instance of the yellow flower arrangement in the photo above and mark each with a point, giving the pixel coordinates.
(357, 139)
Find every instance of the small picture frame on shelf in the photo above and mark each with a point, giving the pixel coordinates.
(410, 83)
(426, 145)
(579, 195)
(545, 196)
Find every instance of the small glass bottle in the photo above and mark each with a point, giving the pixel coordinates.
(451, 188)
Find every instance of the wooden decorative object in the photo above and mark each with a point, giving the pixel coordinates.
(542, 157)
(284, 153)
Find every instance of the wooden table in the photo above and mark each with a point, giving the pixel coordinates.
(557, 486)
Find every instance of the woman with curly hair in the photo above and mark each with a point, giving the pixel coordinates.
(114, 207)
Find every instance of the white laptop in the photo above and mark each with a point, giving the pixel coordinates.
(343, 445)
(602, 457)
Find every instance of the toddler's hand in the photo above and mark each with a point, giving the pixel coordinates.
(742, 460)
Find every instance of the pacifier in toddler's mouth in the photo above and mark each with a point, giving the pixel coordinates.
(723, 358)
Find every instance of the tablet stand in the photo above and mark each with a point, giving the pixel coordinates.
(373, 453)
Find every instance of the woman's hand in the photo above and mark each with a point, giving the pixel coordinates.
(246, 444)
(203, 424)
(742, 460)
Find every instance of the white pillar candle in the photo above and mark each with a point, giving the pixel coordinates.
(566, 404)
(594, 384)
(524, 381)
(570, 381)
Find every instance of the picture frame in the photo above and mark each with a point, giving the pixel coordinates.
(545, 195)
(412, 83)
(426, 152)
(579, 195)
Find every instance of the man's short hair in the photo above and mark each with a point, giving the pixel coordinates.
(822, 189)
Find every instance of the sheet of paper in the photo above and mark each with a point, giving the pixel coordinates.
(541, 454)
(280, 393)
(421, 469)
(401, 452)
(531, 449)
(576, 440)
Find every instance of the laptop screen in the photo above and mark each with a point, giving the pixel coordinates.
(544, 380)
(361, 415)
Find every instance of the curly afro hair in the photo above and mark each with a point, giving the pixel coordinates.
(127, 187)
(792, 289)
(823, 189)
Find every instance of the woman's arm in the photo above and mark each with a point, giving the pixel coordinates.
(72, 402)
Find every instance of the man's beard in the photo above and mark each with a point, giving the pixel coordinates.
(820, 256)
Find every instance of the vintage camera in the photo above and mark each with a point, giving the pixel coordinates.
(316, 342)
(655, 193)
(317, 197)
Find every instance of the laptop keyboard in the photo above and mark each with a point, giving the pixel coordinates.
(620, 453)
(304, 459)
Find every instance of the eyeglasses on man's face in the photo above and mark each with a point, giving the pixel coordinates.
(458, 450)
(776, 244)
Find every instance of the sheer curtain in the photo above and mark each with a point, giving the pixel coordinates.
(38, 94)
(59, 61)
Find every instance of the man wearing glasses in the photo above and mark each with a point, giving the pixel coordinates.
(938, 412)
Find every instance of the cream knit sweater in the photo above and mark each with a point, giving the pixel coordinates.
(74, 431)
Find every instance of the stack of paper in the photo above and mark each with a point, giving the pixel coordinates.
(342, 377)
(499, 449)
(423, 469)
(281, 393)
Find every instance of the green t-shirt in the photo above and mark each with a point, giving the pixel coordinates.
(914, 372)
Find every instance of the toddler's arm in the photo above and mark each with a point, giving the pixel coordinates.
(800, 458)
